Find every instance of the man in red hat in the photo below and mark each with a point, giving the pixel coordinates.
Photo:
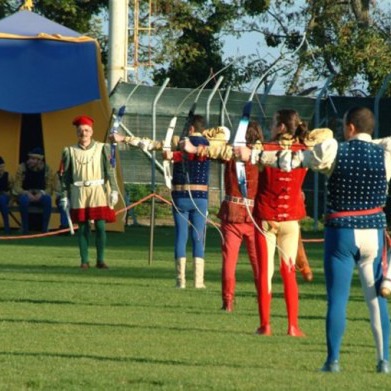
(88, 188)
(33, 186)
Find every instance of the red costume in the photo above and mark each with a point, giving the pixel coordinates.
(279, 206)
(236, 225)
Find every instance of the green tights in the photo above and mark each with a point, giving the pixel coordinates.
(84, 233)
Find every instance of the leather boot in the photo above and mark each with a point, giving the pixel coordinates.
(291, 295)
(198, 264)
(302, 264)
(180, 265)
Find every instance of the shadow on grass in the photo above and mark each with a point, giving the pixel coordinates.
(140, 360)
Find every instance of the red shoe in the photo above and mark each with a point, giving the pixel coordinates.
(264, 330)
(307, 274)
(84, 266)
(294, 331)
(228, 306)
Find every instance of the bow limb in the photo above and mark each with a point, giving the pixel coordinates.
(167, 148)
(240, 139)
(117, 123)
(114, 130)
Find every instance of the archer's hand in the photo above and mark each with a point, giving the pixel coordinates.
(116, 138)
(64, 203)
(242, 153)
(113, 198)
(168, 155)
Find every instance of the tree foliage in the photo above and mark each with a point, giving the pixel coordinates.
(306, 42)
(191, 33)
(346, 40)
(74, 14)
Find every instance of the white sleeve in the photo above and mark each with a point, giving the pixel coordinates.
(322, 157)
(386, 144)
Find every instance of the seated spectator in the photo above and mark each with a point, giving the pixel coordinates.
(5, 188)
(33, 186)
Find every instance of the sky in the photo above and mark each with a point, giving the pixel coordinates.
(249, 44)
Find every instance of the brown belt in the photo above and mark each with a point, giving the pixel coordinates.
(190, 187)
(239, 200)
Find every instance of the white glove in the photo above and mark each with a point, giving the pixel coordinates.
(113, 198)
(64, 203)
(284, 161)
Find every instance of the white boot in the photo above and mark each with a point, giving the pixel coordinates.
(180, 265)
(198, 264)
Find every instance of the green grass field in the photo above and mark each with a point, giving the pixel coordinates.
(128, 328)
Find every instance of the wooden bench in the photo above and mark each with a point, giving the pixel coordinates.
(14, 210)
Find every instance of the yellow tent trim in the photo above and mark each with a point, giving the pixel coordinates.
(54, 37)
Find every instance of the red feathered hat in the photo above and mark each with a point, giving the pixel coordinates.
(83, 120)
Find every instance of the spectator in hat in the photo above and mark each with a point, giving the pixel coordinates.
(33, 186)
(88, 188)
(5, 188)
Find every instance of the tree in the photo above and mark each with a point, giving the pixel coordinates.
(346, 39)
(188, 38)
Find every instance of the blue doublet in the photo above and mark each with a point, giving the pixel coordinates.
(358, 182)
(192, 172)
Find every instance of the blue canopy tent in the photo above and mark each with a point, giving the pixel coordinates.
(44, 66)
(49, 72)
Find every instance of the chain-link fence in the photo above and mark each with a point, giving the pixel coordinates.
(224, 108)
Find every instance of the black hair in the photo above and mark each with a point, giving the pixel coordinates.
(362, 118)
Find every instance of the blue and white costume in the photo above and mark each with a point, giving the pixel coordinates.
(190, 205)
(358, 171)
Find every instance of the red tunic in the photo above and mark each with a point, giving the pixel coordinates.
(279, 196)
(232, 212)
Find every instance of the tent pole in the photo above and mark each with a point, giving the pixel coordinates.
(118, 43)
